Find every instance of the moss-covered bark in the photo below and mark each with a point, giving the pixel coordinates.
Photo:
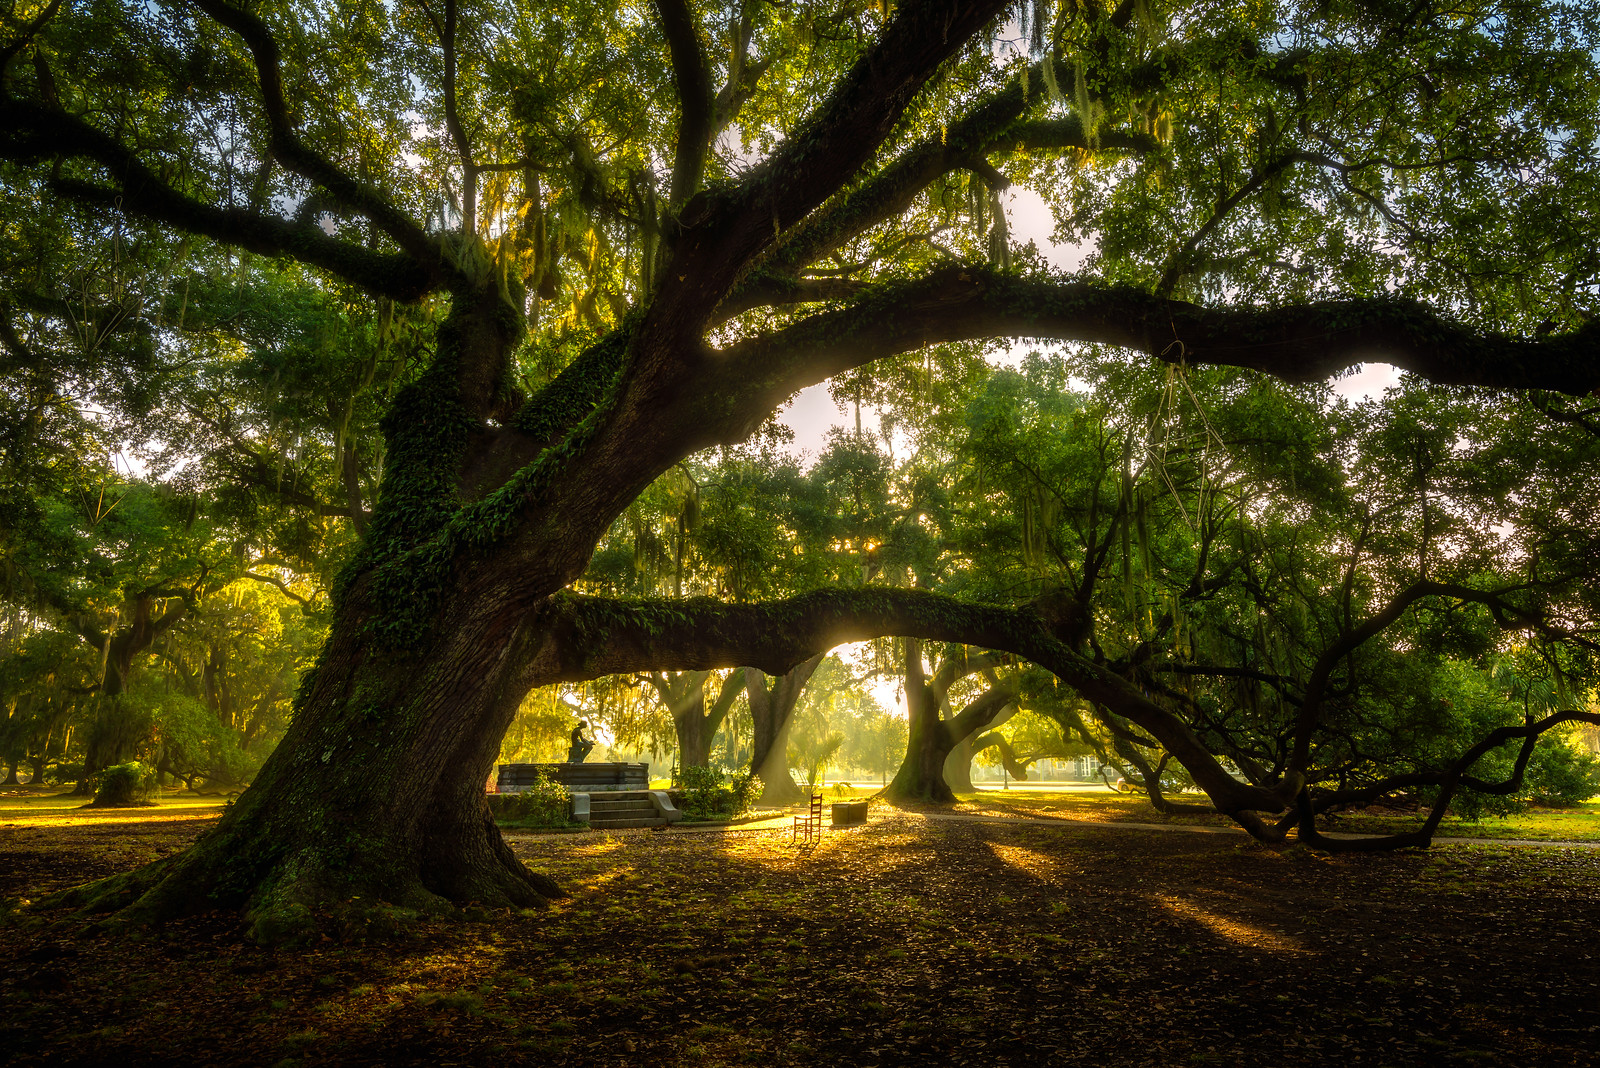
(375, 796)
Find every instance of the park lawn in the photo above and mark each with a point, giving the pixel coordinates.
(1094, 806)
(1577, 823)
(60, 806)
(907, 941)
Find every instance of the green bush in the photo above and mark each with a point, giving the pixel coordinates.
(1561, 775)
(1469, 804)
(701, 790)
(126, 784)
(546, 803)
(745, 788)
(1557, 774)
(706, 796)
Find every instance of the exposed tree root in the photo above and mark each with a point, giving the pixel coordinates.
(292, 895)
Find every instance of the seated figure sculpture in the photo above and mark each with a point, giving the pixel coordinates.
(580, 745)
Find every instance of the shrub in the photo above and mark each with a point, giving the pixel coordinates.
(1560, 775)
(126, 784)
(705, 796)
(1557, 774)
(1469, 804)
(702, 788)
(745, 788)
(546, 803)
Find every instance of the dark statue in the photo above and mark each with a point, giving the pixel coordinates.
(580, 745)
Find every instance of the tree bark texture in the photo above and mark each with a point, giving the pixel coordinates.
(376, 793)
(933, 740)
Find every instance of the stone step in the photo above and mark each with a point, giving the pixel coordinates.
(612, 814)
(621, 810)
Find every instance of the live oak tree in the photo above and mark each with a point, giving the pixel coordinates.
(732, 203)
(937, 729)
(694, 720)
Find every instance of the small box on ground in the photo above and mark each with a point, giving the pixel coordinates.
(848, 813)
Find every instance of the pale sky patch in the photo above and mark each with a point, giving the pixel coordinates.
(812, 413)
(1369, 381)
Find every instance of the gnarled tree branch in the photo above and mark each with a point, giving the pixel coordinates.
(589, 637)
(696, 102)
(1298, 343)
(30, 131)
(295, 154)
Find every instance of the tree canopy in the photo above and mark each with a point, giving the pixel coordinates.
(444, 303)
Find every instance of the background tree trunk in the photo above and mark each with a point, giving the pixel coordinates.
(958, 767)
(693, 723)
(928, 740)
(771, 713)
(683, 693)
(932, 741)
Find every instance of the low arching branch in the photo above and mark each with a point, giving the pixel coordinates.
(1449, 780)
(588, 637)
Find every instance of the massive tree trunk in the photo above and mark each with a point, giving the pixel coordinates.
(375, 794)
(376, 791)
(772, 713)
(931, 738)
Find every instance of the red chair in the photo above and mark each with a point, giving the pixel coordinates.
(811, 822)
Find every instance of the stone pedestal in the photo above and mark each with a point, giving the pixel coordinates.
(585, 778)
(849, 813)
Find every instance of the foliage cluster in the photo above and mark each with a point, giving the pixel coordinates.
(709, 795)
(133, 783)
(546, 803)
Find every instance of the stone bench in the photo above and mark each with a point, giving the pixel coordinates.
(578, 778)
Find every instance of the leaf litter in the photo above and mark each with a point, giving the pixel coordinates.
(907, 941)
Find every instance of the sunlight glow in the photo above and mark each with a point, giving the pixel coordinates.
(1030, 862)
(1244, 934)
